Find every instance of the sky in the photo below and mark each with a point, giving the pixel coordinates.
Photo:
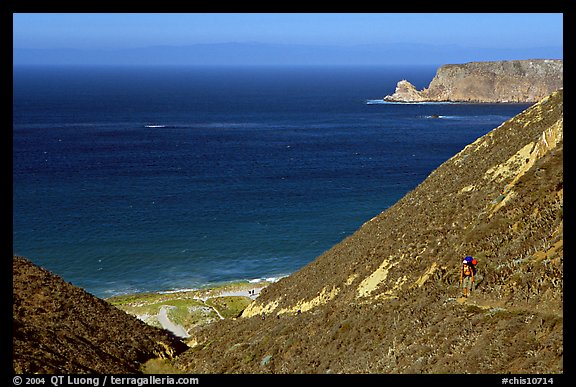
(118, 31)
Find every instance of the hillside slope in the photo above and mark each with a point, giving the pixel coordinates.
(497, 81)
(59, 328)
(386, 299)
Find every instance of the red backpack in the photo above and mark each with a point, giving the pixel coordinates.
(470, 261)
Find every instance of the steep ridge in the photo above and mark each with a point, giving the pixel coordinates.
(60, 328)
(497, 81)
(386, 299)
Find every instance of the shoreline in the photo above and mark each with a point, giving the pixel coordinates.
(240, 283)
(239, 288)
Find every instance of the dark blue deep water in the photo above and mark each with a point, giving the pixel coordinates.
(145, 179)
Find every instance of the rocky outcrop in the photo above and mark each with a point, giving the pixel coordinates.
(525, 81)
(405, 92)
(60, 328)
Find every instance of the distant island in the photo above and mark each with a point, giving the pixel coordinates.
(513, 81)
(255, 53)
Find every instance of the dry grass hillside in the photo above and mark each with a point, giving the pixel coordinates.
(59, 328)
(386, 299)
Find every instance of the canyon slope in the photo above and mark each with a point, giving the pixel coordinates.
(520, 81)
(60, 328)
(387, 298)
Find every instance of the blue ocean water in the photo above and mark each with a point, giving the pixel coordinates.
(162, 178)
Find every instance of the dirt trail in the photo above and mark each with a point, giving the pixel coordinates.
(178, 330)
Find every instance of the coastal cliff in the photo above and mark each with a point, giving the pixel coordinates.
(521, 81)
(384, 300)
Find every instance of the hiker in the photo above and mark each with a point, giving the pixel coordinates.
(467, 276)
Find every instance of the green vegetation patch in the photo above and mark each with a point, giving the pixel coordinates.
(230, 306)
(159, 366)
(186, 308)
(135, 299)
(183, 308)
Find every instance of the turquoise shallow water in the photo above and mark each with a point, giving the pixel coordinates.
(149, 179)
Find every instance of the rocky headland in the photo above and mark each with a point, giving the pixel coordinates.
(384, 300)
(519, 81)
